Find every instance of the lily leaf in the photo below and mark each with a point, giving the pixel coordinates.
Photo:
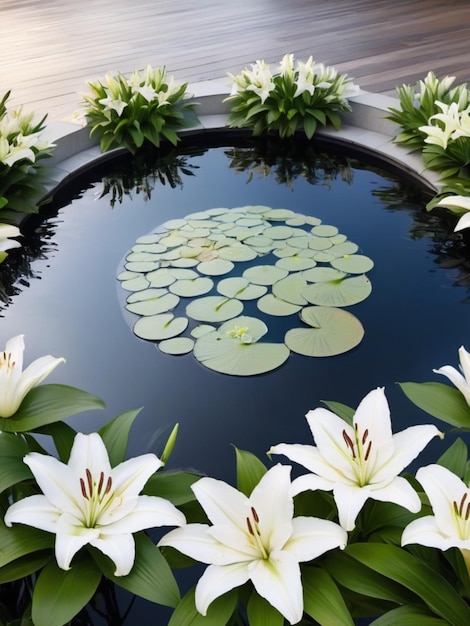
(408, 616)
(24, 566)
(150, 578)
(19, 541)
(59, 595)
(323, 600)
(261, 613)
(115, 435)
(47, 404)
(174, 486)
(435, 590)
(439, 400)
(218, 613)
(249, 471)
(455, 458)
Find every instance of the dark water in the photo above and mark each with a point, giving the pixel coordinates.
(67, 300)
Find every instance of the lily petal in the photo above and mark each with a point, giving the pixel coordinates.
(310, 458)
(456, 379)
(34, 511)
(312, 537)
(55, 480)
(278, 581)
(89, 453)
(147, 512)
(217, 580)
(222, 503)
(120, 549)
(349, 500)
(399, 491)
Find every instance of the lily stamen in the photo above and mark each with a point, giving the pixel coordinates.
(349, 443)
(255, 532)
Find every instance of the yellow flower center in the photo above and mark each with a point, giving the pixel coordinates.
(359, 449)
(462, 516)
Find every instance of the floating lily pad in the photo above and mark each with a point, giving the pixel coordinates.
(148, 239)
(290, 289)
(272, 305)
(146, 294)
(322, 274)
(324, 230)
(343, 249)
(201, 330)
(158, 327)
(142, 257)
(126, 275)
(234, 350)
(142, 267)
(189, 288)
(354, 264)
(295, 263)
(340, 293)
(333, 331)
(278, 232)
(184, 263)
(237, 253)
(176, 345)
(160, 278)
(320, 243)
(173, 240)
(275, 215)
(174, 224)
(264, 274)
(155, 305)
(216, 267)
(240, 288)
(135, 284)
(214, 309)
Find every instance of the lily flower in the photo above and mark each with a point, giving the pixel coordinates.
(449, 527)
(458, 204)
(112, 104)
(86, 502)
(255, 539)
(460, 379)
(14, 383)
(360, 461)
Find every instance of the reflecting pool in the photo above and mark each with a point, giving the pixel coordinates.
(61, 291)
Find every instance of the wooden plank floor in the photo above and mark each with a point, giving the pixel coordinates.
(49, 48)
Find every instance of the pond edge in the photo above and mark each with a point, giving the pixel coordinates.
(364, 128)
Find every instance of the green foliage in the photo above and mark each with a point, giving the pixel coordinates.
(144, 109)
(441, 401)
(297, 97)
(418, 105)
(22, 177)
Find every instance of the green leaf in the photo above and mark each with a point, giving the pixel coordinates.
(441, 401)
(341, 410)
(63, 436)
(323, 600)
(12, 468)
(24, 566)
(408, 616)
(395, 563)
(19, 541)
(455, 458)
(59, 595)
(218, 613)
(250, 470)
(353, 575)
(150, 578)
(261, 613)
(174, 486)
(47, 404)
(115, 435)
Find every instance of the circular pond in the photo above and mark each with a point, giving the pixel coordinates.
(68, 290)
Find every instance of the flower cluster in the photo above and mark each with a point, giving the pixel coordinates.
(276, 549)
(435, 119)
(147, 107)
(21, 147)
(300, 95)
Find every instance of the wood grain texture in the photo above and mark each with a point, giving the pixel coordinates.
(50, 48)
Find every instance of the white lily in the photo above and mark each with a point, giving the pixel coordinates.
(7, 231)
(458, 204)
(460, 379)
(255, 539)
(112, 104)
(88, 502)
(360, 461)
(449, 527)
(14, 383)
(148, 92)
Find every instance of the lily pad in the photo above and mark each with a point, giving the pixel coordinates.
(322, 274)
(214, 309)
(290, 289)
(264, 274)
(340, 293)
(190, 288)
(201, 330)
(275, 215)
(225, 350)
(158, 327)
(278, 232)
(241, 288)
(216, 267)
(142, 266)
(333, 331)
(154, 306)
(354, 264)
(146, 294)
(295, 263)
(176, 345)
(160, 278)
(135, 284)
(237, 253)
(324, 230)
(272, 305)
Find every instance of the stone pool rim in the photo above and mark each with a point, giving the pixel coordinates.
(365, 128)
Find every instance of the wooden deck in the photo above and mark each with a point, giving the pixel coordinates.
(50, 48)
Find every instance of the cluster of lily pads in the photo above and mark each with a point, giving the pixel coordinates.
(220, 275)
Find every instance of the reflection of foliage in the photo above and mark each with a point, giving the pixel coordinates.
(450, 249)
(289, 159)
(140, 174)
(16, 271)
